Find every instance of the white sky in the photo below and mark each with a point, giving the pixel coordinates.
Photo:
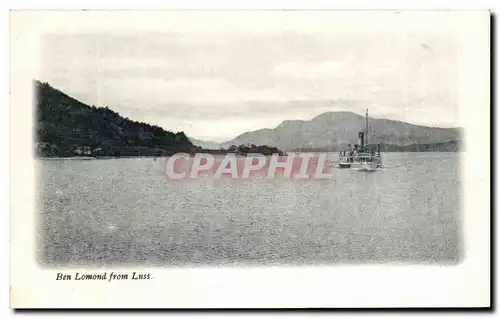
(230, 73)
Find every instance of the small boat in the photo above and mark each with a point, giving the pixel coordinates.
(360, 157)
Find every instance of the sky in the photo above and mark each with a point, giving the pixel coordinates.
(215, 83)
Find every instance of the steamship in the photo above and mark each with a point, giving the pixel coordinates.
(359, 156)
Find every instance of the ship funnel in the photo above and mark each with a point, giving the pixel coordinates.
(361, 139)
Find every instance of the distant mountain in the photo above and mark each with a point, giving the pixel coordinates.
(335, 130)
(66, 127)
(205, 144)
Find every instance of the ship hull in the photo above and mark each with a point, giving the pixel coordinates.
(360, 165)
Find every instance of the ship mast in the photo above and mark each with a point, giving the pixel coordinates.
(366, 129)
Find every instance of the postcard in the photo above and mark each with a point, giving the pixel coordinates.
(250, 159)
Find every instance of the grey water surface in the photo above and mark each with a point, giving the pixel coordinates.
(125, 212)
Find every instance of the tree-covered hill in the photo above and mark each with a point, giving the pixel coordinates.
(67, 127)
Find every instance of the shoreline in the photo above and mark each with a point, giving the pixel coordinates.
(159, 157)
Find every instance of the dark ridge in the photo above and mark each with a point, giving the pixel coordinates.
(449, 146)
(66, 127)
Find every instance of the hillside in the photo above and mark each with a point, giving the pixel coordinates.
(335, 130)
(205, 144)
(65, 126)
(448, 146)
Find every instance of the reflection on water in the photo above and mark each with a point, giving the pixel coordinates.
(125, 212)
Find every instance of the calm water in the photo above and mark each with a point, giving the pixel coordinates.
(125, 212)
